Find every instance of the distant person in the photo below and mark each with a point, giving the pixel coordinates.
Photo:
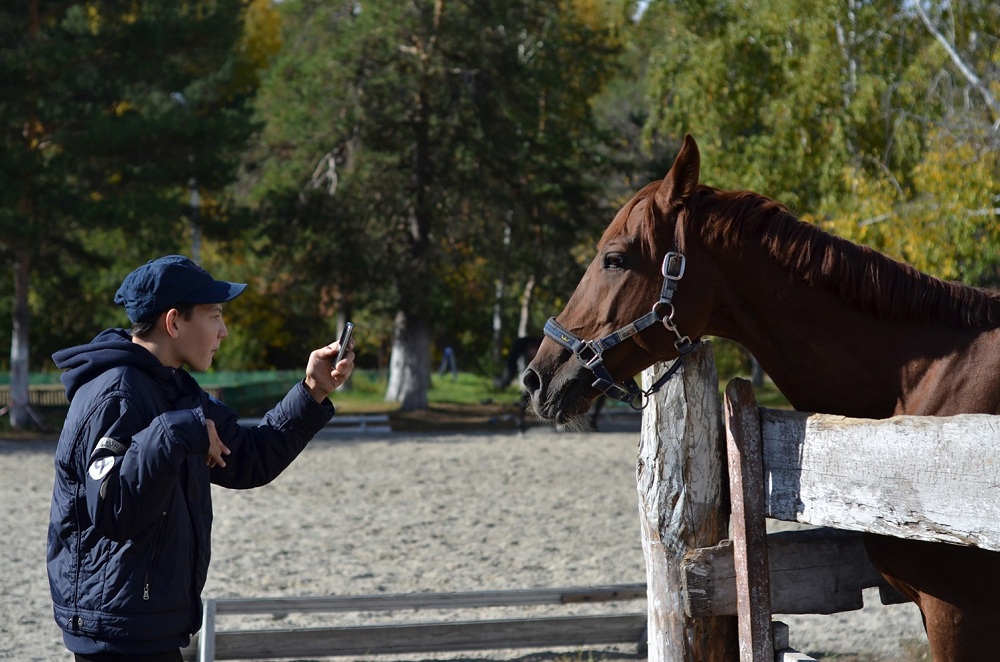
(448, 363)
(131, 519)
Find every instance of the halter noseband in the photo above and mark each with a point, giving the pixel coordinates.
(591, 352)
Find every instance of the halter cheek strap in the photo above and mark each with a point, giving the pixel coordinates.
(591, 352)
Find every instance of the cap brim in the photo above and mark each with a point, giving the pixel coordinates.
(219, 291)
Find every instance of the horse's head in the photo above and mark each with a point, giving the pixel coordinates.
(624, 315)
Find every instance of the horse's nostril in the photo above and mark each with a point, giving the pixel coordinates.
(531, 380)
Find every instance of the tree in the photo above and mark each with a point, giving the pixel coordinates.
(941, 214)
(780, 96)
(943, 222)
(108, 111)
(873, 117)
(447, 125)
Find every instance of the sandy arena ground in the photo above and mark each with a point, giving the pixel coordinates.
(403, 513)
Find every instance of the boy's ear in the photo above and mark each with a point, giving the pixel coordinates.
(169, 322)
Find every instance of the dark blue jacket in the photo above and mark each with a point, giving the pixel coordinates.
(129, 531)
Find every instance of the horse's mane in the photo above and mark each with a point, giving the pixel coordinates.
(860, 275)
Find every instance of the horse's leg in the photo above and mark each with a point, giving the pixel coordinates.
(957, 589)
(957, 632)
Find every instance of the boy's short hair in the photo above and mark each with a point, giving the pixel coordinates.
(143, 329)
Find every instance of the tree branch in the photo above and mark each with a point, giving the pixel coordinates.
(969, 74)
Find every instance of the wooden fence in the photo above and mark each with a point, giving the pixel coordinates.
(711, 598)
(40, 395)
(422, 637)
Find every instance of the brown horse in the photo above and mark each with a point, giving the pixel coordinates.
(840, 328)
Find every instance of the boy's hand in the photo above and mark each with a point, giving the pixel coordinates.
(216, 449)
(322, 378)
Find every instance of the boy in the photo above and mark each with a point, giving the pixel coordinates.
(129, 531)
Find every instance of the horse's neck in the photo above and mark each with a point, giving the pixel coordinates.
(828, 356)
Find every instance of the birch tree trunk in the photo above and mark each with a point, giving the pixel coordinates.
(20, 413)
(526, 297)
(681, 482)
(498, 296)
(20, 408)
(410, 362)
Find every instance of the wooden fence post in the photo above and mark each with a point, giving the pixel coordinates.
(680, 478)
(746, 494)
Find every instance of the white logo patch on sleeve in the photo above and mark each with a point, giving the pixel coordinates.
(101, 467)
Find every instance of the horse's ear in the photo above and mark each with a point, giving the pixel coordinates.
(682, 179)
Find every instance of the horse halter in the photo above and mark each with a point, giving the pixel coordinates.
(591, 352)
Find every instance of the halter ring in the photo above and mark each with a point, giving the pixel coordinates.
(659, 307)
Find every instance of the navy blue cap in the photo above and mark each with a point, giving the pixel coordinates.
(165, 282)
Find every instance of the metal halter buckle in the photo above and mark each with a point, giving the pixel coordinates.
(665, 269)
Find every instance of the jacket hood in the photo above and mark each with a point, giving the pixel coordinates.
(112, 348)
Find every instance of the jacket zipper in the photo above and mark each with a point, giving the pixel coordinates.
(152, 559)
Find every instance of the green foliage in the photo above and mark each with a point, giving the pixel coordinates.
(107, 111)
(850, 113)
(417, 155)
(944, 223)
(769, 93)
(446, 126)
(731, 359)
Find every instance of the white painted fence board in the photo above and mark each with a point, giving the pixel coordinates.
(783, 652)
(926, 478)
(205, 645)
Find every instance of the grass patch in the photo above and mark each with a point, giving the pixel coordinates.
(366, 393)
(466, 401)
(769, 396)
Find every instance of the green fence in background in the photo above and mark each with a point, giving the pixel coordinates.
(246, 392)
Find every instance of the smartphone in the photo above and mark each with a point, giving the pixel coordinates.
(345, 341)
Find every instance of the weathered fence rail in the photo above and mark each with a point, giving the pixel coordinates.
(213, 644)
(926, 478)
(922, 477)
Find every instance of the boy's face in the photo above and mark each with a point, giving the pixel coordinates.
(199, 338)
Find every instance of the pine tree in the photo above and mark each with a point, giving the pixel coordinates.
(112, 113)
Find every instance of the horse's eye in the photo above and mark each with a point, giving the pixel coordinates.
(614, 261)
